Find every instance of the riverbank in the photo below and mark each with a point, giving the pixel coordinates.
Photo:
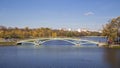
(114, 46)
(7, 43)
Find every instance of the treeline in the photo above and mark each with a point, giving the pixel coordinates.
(21, 33)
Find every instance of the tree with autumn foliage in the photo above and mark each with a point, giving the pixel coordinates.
(111, 29)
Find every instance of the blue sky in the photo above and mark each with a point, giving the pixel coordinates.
(91, 14)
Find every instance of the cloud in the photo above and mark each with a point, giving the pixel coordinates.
(89, 13)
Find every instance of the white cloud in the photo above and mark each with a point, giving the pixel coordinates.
(89, 13)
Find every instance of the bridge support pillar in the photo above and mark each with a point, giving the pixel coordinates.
(77, 44)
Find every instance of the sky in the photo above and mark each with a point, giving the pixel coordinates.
(90, 14)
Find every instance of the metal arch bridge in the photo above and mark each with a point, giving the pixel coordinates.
(69, 40)
(43, 40)
(75, 41)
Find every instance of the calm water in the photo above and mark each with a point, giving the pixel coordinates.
(58, 54)
(95, 38)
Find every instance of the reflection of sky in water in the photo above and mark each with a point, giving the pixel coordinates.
(86, 43)
(58, 57)
(97, 39)
(27, 44)
(57, 42)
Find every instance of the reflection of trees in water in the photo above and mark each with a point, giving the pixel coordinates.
(112, 57)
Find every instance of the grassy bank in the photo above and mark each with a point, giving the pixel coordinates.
(7, 43)
(112, 46)
(115, 47)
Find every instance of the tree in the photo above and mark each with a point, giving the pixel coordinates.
(54, 35)
(111, 29)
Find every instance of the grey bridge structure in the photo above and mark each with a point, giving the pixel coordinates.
(74, 41)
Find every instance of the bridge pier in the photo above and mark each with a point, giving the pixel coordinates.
(77, 44)
(19, 43)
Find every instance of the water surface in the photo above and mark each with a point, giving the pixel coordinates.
(58, 56)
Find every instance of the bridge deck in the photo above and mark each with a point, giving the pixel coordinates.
(71, 40)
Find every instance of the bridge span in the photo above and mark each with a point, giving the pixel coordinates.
(74, 41)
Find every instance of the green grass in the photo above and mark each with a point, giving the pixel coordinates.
(112, 46)
(7, 43)
(106, 45)
(115, 47)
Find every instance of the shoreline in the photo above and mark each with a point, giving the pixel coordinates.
(7, 43)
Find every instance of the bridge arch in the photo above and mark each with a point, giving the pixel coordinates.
(65, 40)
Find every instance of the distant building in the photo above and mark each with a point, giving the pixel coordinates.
(79, 30)
(66, 29)
(69, 29)
(63, 29)
(82, 30)
(100, 31)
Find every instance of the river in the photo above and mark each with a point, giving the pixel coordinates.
(58, 54)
